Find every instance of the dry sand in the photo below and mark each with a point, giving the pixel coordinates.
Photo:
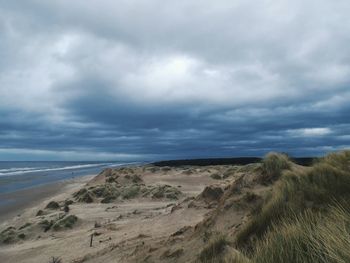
(142, 229)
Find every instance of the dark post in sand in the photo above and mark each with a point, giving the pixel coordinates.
(92, 235)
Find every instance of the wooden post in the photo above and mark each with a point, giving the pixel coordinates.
(92, 235)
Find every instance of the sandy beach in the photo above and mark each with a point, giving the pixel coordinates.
(180, 213)
(131, 226)
(30, 197)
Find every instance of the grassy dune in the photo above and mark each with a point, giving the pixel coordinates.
(305, 218)
(274, 211)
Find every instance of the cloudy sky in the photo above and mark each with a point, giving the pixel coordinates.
(157, 79)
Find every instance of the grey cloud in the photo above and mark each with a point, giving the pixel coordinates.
(180, 79)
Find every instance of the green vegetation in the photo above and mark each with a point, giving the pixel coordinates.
(308, 238)
(62, 222)
(272, 166)
(24, 226)
(111, 192)
(162, 191)
(40, 213)
(229, 172)
(8, 235)
(68, 202)
(296, 192)
(84, 196)
(46, 224)
(53, 205)
(66, 222)
(55, 260)
(21, 236)
(305, 218)
(130, 191)
(108, 192)
(214, 250)
(11, 235)
(66, 208)
(216, 176)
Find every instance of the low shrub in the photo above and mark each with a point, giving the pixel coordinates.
(66, 222)
(130, 191)
(216, 176)
(24, 226)
(53, 205)
(213, 250)
(8, 235)
(66, 208)
(21, 236)
(40, 213)
(55, 260)
(46, 224)
(68, 202)
(163, 191)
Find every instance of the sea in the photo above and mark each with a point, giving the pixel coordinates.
(16, 176)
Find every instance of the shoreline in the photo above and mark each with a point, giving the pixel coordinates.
(24, 199)
(156, 208)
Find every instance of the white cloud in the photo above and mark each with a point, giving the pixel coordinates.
(310, 132)
(243, 64)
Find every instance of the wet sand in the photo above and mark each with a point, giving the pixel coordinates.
(12, 204)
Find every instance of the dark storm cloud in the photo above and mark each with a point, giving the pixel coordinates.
(158, 80)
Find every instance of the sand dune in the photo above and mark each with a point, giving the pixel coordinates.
(178, 214)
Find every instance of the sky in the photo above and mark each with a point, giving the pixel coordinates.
(158, 79)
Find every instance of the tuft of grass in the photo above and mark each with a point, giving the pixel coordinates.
(84, 196)
(213, 251)
(107, 192)
(55, 260)
(66, 222)
(68, 202)
(229, 172)
(21, 236)
(272, 166)
(40, 213)
(308, 238)
(341, 160)
(46, 225)
(162, 191)
(66, 208)
(53, 205)
(216, 176)
(8, 235)
(130, 192)
(108, 199)
(296, 192)
(24, 226)
(136, 179)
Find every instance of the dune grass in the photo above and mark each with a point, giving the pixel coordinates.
(298, 199)
(55, 260)
(66, 222)
(308, 238)
(216, 176)
(219, 250)
(212, 252)
(53, 205)
(272, 166)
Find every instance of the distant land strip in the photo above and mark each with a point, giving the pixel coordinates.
(305, 161)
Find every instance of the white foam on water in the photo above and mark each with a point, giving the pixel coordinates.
(25, 170)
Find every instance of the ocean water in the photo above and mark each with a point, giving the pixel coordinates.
(21, 175)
